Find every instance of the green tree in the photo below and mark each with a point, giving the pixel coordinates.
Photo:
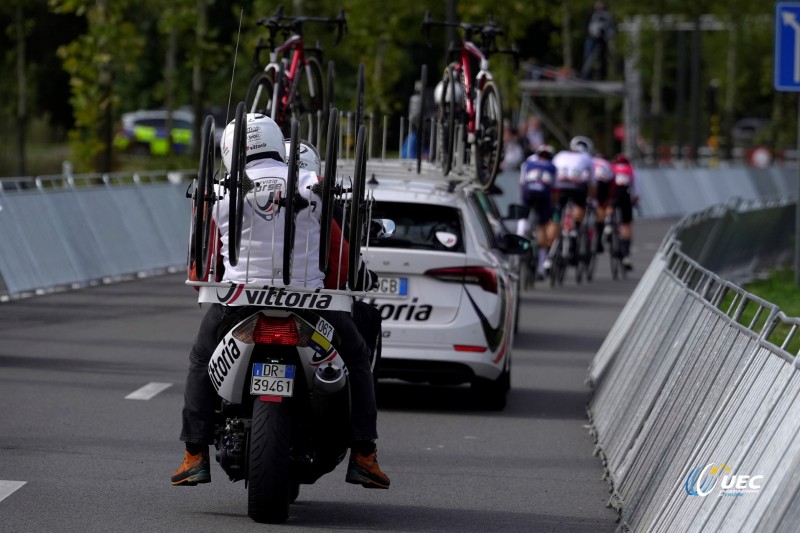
(105, 53)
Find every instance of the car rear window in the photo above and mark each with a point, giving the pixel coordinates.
(421, 226)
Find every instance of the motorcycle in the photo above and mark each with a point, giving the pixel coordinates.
(284, 413)
(283, 417)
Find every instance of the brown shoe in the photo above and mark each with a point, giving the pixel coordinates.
(194, 469)
(364, 470)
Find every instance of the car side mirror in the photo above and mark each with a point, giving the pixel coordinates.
(381, 228)
(517, 211)
(513, 244)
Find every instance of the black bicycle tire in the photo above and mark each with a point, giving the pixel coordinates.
(447, 110)
(328, 179)
(203, 200)
(235, 181)
(420, 119)
(357, 207)
(266, 79)
(301, 110)
(488, 173)
(359, 97)
(330, 80)
(289, 209)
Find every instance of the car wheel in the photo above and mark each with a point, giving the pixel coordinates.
(491, 394)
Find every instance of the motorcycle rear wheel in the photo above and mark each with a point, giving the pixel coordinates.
(269, 485)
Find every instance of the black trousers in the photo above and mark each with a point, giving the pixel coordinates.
(200, 398)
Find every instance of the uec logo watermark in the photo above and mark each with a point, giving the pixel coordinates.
(702, 481)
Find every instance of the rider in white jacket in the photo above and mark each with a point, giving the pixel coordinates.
(260, 261)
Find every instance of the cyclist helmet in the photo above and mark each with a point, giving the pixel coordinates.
(308, 158)
(546, 151)
(580, 143)
(440, 97)
(263, 140)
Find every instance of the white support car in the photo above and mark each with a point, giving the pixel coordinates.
(447, 295)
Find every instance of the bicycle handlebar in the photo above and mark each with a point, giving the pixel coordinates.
(289, 23)
(488, 30)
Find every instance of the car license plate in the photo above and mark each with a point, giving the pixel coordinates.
(390, 286)
(272, 379)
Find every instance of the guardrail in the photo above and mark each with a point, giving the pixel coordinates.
(695, 401)
(64, 232)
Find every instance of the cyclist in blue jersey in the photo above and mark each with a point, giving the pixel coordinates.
(536, 178)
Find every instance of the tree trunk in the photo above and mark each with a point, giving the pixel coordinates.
(22, 82)
(104, 84)
(565, 36)
(169, 81)
(198, 83)
(656, 105)
(730, 92)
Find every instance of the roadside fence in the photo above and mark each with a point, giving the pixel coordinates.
(63, 232)
(696, 394)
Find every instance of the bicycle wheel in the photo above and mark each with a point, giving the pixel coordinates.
(446, 120)
(489, 134)
(357, 207)
(360, 97)
(328, 179)
(235, 182)
(203, 199)
(289, 208)
(615, 253)
(308, 98)
(329, 102)
(420, 119)
(260, 92)
(556, 261)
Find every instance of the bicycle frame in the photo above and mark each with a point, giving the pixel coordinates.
(294, 45)
(470, 50)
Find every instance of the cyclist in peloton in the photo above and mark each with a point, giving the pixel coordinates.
(265, 167)
(625, 196)
(536, 180)
(575, 180)
(603, 179)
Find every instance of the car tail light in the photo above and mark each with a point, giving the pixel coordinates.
(483, 276)
(276, 330)
(469, 348)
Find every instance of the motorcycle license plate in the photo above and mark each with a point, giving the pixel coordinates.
(272, 379)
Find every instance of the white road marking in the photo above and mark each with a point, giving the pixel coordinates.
(9, 487)
(148, 391)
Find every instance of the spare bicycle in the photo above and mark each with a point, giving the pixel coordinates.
(470, 106)
(291, 85)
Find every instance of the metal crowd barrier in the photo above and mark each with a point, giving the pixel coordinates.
(64, 232)
(695, 401)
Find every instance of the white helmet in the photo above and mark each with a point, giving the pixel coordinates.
(308, 158)
(439, 97)
(263, 138)
(581, 144)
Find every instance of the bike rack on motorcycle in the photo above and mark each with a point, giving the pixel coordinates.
(284, 412)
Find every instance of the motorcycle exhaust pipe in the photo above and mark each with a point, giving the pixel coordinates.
(329, 379)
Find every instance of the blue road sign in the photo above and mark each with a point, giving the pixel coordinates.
(787, 46)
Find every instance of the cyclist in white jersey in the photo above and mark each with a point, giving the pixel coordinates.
(603, 178)
(575, 180)
(260, 261)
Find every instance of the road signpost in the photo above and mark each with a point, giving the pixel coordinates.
(787, 79)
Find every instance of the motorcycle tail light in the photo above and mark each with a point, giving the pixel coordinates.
(276, 330)
(483, 276)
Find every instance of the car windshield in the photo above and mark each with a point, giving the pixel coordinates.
(420, 226)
